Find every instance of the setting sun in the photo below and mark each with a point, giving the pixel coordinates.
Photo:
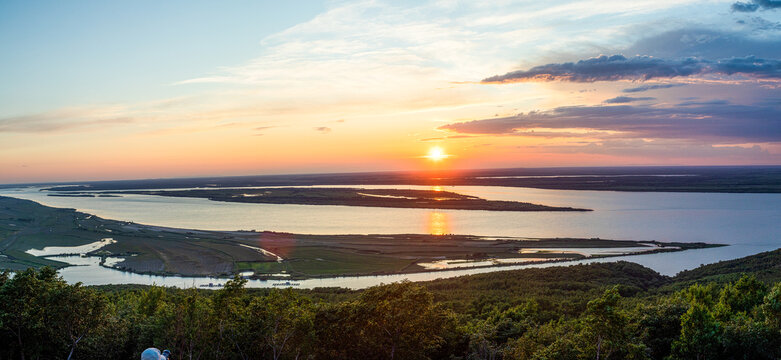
(436, 154)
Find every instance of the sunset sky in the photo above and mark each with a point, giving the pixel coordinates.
(147, 89)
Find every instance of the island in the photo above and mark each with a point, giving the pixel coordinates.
(393, 198)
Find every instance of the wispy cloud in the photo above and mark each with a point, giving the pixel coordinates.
(666, 149)
(323, 129)
(67, 120)
(626, 99)
(261, 130)
(448, 137)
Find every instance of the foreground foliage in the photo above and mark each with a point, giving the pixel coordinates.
(598, 311)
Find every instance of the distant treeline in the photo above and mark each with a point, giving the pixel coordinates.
(730, 179)
(599, 311)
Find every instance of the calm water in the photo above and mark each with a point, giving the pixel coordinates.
(748, 222)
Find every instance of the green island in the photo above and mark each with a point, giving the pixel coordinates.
(27, 227)
(618, 310)
(393, 198)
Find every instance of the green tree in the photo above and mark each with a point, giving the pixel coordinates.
(284, 320)
(189, 324)
(23, 311)
(76, 313)
(771, 308)
(514, 321)
(745, 338)
(147, 315)
(481, 342)
(700, 332)
(552, 340)
(605, 333)
(396, 321)
(660, 324)
(232, 319)
(740, 297)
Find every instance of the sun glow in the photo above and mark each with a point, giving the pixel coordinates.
(436, 153)
(438, 223)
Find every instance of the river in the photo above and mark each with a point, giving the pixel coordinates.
(747, 222)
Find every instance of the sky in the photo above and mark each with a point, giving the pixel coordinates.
(94, 90)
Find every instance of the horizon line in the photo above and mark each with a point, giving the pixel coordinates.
(194, 177)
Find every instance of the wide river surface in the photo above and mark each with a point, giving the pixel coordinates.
(750, 223)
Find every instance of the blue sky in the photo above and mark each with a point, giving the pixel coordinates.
(101, 90)
(61, 53)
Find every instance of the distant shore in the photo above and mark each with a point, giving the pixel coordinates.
(716, 179)
(392, 198)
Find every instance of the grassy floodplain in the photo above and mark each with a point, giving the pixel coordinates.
(26, 225)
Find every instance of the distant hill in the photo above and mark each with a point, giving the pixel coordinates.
(766, 266)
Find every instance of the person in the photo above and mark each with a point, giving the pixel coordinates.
(154, 354)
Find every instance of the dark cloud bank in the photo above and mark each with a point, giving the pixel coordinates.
(626, 99)
(727, 123)
(672, 54)
(649, 87)
(619, 67)
(755, 5)
(675, 53)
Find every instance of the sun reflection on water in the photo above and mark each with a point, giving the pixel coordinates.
(438, 223)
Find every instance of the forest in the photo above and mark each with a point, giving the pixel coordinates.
(620, 310)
